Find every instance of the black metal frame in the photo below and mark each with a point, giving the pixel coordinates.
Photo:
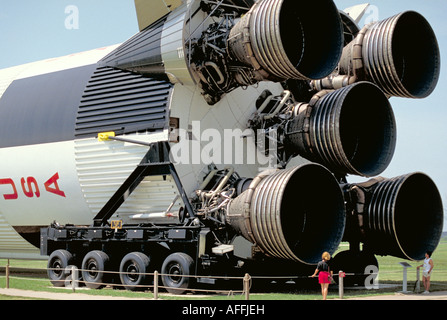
(155, 163)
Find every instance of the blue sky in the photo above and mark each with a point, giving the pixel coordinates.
(35, 30)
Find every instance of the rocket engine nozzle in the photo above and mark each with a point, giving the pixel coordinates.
(350, 130)
(402, 217)
(275, 40)
(400, 54)
(281, 40)
(284, 216)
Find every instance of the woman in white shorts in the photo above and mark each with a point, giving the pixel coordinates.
(427, 268)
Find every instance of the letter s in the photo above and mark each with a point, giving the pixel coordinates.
(30, 181)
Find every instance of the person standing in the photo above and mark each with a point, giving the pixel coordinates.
(427, 268)
(324, 274)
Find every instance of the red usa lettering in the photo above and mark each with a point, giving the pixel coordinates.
(30, 187)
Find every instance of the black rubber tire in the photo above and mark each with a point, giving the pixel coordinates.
(59, 260)
(132, 269)
(93, 265)
(174, 267)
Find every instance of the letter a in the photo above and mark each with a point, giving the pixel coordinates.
(72, 20)
(55, 189)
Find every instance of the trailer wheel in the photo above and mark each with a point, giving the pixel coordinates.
(93, 264)
(174, 267)
(132, 269)
(57, 267)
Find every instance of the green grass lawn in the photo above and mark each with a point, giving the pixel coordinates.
(391, 270)
(390, 274)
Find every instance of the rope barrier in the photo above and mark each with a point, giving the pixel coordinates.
(247, 280)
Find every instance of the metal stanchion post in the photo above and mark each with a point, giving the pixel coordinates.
(74, 278)
(156, 285)
(7, 275)
(247, 286)
(341, 290)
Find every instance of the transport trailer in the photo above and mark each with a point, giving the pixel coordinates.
(101, 249)
(129, 250)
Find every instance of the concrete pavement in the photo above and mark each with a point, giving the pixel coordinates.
(59, 296)
(437, 295)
